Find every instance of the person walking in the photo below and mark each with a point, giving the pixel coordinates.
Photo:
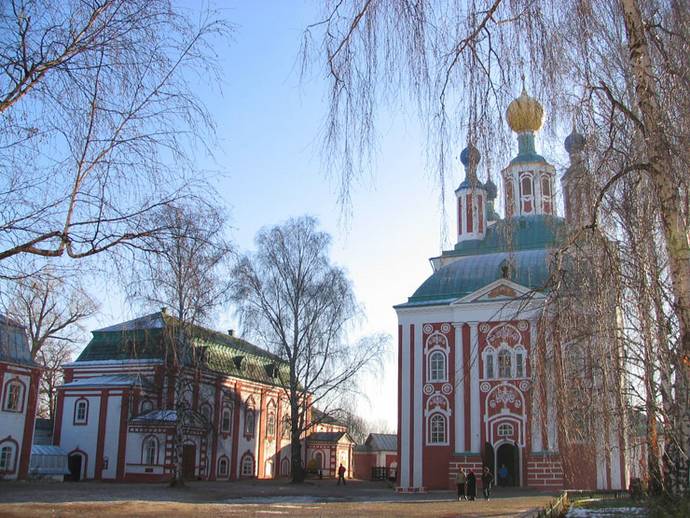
(471, 485)
(341, 474)
(460, 481)
(487, 480)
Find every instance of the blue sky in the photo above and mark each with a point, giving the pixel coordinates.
(267, 154)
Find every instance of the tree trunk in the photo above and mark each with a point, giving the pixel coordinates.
(672, 221)
(298, 470)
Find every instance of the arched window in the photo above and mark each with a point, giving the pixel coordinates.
(6, 458)
(249, 422)
(526, 194)
(546, 194)
(318, 457)
(150, 451)
(271, 423)
(223, 467)
(489, 361)
(519, 364)
(437, 429)
(13, 396)
(146, 406)
(504, 364)
(206, 413)
(505, 430)
(81, 411)
(247, 465)
(437, 366)
(287, 427)
(285, 467)
(226, 420)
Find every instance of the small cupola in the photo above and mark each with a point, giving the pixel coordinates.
(576, 182)
(471, 198)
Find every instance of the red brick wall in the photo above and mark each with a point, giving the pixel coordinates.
(545, 472)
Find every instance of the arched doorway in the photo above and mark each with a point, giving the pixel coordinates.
(75, 464)
(318, 457)
(285, 467)
(508, 456)
(268, 469)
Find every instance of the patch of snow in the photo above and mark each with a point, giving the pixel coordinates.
(606, 513)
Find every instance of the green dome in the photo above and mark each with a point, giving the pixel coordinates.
(518, 249)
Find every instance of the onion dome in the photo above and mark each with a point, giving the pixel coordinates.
(470, 155)
(491, 189)
(574, 143)
(525, 114)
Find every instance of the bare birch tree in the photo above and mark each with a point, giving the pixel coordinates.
(97, 102)
(295, 301)
(185, 268)
(617, 67)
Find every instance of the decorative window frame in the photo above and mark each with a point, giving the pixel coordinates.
(508, 427)
(8, 442)
(144, 450)
(489, 352)
(504, 351)
(16, 381)
(519, 349)
(249, 410)
(245, 457)
(441, 408)
(219, 472)
(432, 345)
(271, 418)
(85, 421)
(429, 427)
(527, 198)
(546, 199)
(226, 408)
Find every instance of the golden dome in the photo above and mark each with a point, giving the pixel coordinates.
(524, 114)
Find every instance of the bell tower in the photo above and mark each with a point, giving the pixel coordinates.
(528, 181)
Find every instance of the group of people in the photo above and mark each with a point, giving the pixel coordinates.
(467, 484)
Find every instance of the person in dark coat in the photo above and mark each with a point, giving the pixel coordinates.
(341, 474)
(461, 481)
(471, 486)
(487, 480)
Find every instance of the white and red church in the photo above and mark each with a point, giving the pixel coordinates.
(468, 392)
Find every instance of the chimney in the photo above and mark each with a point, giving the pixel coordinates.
(231, 332)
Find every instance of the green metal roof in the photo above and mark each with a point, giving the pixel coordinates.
(146, 338)
(518, 249)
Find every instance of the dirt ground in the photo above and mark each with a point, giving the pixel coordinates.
(252, 498)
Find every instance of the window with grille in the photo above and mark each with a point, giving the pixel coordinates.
(81, 411)
(13, 398)
(437, 366)
(504, 364)
(437, 429)
(247, 466)
(505, 430)
(6, 458)
(150, 450)
(226, 420)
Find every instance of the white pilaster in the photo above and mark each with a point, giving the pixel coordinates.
(405, 410)
(474, 388)
(552, 436)
(418, 408)
(459, 391)
(537, 443)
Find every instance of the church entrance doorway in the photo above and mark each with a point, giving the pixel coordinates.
(507, 471)
(74, 463)
(188, 461)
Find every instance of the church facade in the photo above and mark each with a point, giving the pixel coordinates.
(470, 393)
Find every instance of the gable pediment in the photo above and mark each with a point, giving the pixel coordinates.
(499, 290)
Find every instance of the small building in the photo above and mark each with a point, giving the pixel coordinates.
(326, 451)
(116, 411)
(19, 377)
(48, 462)
(377, 458)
